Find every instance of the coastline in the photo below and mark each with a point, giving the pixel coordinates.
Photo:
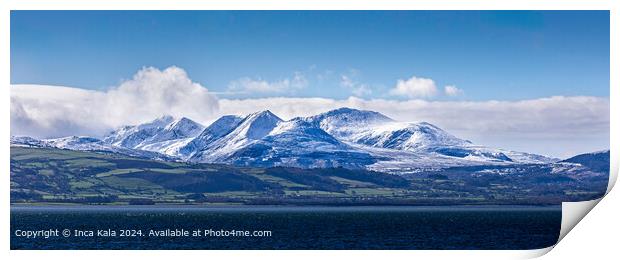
(282, 207)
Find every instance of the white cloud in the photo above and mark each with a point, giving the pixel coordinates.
(249, 85)
(415, 87)
(358, 89)
(48, 111)
(452, 91)
(349, 81)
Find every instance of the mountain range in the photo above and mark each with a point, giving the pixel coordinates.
(344, 137)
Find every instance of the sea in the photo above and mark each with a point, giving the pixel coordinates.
(284, 227)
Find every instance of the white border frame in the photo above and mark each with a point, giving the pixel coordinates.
(575, 210)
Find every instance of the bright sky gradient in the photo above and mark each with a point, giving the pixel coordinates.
(534, 81)
(505, 55)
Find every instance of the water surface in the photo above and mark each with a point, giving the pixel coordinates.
(382, 227)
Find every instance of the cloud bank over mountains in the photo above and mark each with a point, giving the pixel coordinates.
(570, 124)
(47, 111)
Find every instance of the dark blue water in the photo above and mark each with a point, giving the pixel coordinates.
(295, 227)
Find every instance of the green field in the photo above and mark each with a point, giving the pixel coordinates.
(46, 175)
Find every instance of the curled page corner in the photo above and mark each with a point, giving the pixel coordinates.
(613, 172)
(535, 253)
(574, 212)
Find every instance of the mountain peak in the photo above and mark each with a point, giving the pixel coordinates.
(164, 128)
(344, 121)
(228, 134)
(184, 119)
(182, 123)
(165, 119)
(263, 113)
(259, 124)
(179, 128)
(346, 115)
(347, 110)
(221, 127)
(343, 110)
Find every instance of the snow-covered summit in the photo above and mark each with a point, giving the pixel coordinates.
(251, 128)
(221, 127)
(26, 141)
(165, 135)
(377, 130)
(345, 121)
(370, 129)
(75, 143)
(178, 129)
(294, 143)
(132, 136)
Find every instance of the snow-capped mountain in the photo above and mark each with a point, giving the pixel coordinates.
(82, 143)
(213, 132)
(133, 136)
(263, 139)
(376, 130)
(252, 128)
(339, 138)
(164, 135)
(372, 129)
(344, 122)
(26, 141)
(297, 143)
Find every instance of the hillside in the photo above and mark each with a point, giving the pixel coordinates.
(51, 175)
(598, 161)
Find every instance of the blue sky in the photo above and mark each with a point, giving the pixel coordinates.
(495, 55)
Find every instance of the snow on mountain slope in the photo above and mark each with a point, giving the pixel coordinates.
(376, 130)
(339, 138)
(372, 129)
(177, 129)
(164, 135)
(297, 143)
(173, 137)
(343, 122)
(82, 143)
(405, 136)
(213, 132)
(133, 136)
(26, 141)
(253, 127)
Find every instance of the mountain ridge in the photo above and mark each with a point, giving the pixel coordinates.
(343, 137)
